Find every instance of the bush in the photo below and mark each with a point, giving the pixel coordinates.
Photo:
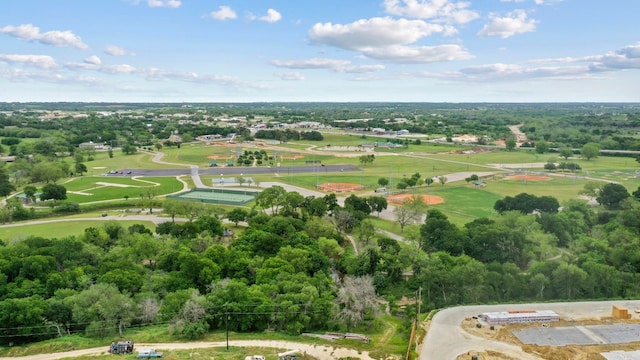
(67, 208)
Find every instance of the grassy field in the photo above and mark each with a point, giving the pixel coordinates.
(102, 163)
(100, 188)
(61, 229)
(465, 201)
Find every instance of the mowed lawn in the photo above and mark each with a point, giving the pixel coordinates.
(100, 188)
(102, 163)
(60, 229)
(466, 202)
(558, 187)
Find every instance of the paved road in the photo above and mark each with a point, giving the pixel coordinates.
(446, 339)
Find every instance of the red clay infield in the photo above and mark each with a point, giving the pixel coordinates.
(529, 177)
(340, 187)
(427, 199)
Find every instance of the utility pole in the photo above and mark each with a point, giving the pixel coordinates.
(419, 302)
(226, 322)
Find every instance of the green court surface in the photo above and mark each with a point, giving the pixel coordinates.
(218, 196)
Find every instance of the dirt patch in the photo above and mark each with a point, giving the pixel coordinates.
(528, 178)
(292, 157)
(427, 199)
(340, 187)
(220, 157)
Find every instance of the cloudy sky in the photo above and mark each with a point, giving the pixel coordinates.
(320, 50)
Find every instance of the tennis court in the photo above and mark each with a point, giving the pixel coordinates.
(218, 196)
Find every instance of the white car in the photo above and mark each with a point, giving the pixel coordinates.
(254, 357)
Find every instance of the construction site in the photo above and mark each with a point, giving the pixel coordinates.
(543, 334)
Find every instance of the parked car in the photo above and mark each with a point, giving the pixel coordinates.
(149, 354)
(254, 357)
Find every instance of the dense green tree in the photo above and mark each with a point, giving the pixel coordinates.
(510, 144)
(103, 308)
(24, 320)
(566, 152)
(377, 203)
(542, 147)
(47, 172)
(612, 195)
(590, 150)
(237, 215)
(53, 192)
(439, 234)
(6, 187)
(80, 168)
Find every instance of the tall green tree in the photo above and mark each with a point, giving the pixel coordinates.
(53, 192)
(590, 150)
(6, 187)
(612, 195)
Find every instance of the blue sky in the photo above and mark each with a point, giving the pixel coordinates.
(320, 50)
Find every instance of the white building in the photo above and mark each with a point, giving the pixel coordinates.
(519, 317)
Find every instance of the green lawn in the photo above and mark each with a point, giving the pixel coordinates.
(560, 188)
(465, 201)
(102, 163)
(100, 188)
(60, 229)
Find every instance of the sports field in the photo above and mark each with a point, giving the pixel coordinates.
(212, 196)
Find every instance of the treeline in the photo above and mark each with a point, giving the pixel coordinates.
(288, 135)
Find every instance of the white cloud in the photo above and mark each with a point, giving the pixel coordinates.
(514, 23)
(372, 32)
(315, 63)
(389, 40)
(93, 60)
(342, 66)
(360, 69)
(224, 13)
(271, 17)
(418, 54)
(290, 76)
(164, 3)
(547, 2)
(116, 51)
(587, 67)
(438, 10)
(41, 61)
(58, 38)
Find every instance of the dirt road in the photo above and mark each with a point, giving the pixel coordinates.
(317, 351)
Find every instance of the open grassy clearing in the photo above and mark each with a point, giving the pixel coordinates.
(430, 148)
(560, 188)
(61, 229)
(465, 201)
(141, 160)
(100, 188)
